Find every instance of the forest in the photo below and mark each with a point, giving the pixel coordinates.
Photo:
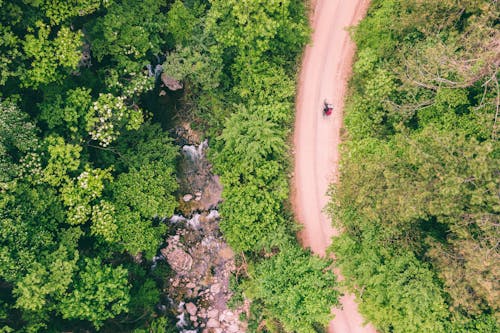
(89, 171)
(418, 199)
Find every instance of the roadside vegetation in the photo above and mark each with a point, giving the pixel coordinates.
(86, 174)
(419, 191)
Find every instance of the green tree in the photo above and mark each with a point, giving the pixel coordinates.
(297, 289)
(46, 282)
(249, 139)
(252, 218)
(194, 67)
(108, 116)
(149, 144)
(419, 169)
(144, 189)
(397, 293)
(147, 190)
(80, 195)
(30, 219)
(254, 187)
(17, 139)
(99, 292)
(67, 113)
(268, 89)
(10, 46)
(181, 21)
(138, 234)
(59, 10)
(129, 32)
(254, 27)
(51, 59)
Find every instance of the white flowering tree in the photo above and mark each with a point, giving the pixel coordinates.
(81, 195)
(17, 139)
(108, 115)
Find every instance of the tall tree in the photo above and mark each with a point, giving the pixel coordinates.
(296, 288)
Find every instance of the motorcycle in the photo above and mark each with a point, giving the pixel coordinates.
(327, 108)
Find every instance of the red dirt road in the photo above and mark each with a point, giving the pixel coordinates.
(325, 70)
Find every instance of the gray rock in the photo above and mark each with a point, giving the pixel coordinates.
(215, 288)
(179, 260)
(187, 197)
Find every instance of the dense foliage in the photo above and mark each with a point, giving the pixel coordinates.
(84, 173)
(294, 287)
(419, 192)
(247, 107)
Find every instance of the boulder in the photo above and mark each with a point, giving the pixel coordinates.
(170, 82)
(233, 328)
(213, 314)
(191, 308)
(179, 260)
(212, 323)
(215, 288)
(197, 196)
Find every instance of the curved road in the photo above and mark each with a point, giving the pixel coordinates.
(325, 70)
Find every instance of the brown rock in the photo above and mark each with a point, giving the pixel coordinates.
(170, 82)
(179, 260)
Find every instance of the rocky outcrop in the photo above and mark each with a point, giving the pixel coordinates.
(203, 263)
(170, 82)
(177, 258)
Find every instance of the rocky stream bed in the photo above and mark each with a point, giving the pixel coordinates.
(196, 251)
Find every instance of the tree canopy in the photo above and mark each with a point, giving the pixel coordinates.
(419, 172)
(86, 175)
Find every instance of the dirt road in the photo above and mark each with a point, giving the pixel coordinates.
(325, 70)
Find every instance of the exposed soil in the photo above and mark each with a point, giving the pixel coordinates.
(326, 68)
